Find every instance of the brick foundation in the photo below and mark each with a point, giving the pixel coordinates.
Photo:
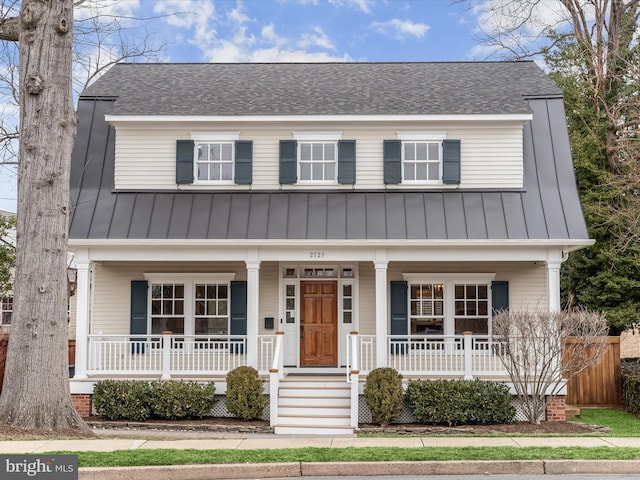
(82, 402)
(556, 410)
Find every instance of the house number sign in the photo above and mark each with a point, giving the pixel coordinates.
(316, 255)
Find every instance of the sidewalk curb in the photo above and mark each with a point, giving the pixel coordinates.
(276, 470)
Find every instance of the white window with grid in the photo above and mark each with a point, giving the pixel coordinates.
(190, 304)
(167, 307)
(211, 308)
(6, 310)
(421, 156)
(214, 162)
(318, 157)
(449, 303)
(317, 162)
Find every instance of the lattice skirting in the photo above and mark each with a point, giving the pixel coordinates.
(364, 414)
(220, 408)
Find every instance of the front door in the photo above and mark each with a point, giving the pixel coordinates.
(319, 324)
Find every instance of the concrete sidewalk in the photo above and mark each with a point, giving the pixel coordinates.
(111, 440)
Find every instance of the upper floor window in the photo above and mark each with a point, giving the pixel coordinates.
(210, 158)
(421, 158)
(214, 161)
(6, 310)
(317, 161)
(421, 162)
(318, 158)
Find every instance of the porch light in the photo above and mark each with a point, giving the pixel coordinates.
(72, 281)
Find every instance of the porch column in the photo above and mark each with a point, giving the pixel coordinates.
(82, 316)
(553, 282)
(253, 295)
(381, 312)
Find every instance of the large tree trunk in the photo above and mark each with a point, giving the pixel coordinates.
(36, 385)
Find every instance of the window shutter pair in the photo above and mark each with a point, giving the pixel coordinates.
(392, 158)
(399, 304)
(243, 161)
(139, 302)
(346, 161)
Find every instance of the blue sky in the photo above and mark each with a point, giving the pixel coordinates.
(297, 31)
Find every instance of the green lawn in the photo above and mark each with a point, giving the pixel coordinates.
(622, 424)
(143, 457)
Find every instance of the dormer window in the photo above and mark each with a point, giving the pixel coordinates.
(317, 158)
(422, 162)
(317, 162)
(214, 161)
(421, 158)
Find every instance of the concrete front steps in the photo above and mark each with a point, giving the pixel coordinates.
(314, 405)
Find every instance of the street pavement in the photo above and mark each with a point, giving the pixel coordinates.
(112, 440)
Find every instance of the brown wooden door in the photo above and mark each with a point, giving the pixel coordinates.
(319, 324)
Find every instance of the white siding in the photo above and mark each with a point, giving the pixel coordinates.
(367, 303)
(145, 155)
(269, 305)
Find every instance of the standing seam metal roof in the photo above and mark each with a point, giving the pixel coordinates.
(547, 208)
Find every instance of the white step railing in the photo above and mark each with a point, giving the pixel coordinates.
(276, 373)
(168, 354)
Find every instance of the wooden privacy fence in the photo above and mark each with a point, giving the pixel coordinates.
(599, 384)
(4, 342)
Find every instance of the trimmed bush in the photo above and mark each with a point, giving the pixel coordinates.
(245, 396)
(459, 402)
(116, 399)
(630, 374)
(384, 395)
(177, 400)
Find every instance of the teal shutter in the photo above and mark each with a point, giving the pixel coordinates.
(392, 156)
(399, 315)
(288, 161)
(138, 312)
(238, 314)
(244, 162)
(451, 161)
(238, 308)
(347, 161)
(184, 161)
(499, 296)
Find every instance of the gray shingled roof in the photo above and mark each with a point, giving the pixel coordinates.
(547, 208)
(323, 88)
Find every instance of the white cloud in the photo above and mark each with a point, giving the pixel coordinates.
(400, 29)
(231, 35)
(362, 5)
(518, 25)
(197, 16)
(317, 39)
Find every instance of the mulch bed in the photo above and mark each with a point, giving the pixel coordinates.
(229, 425)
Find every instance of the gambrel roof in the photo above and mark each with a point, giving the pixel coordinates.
(323, 88)
(547, 208)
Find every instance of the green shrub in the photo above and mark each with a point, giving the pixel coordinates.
(457, 402)
(631, 389)
(384, 395)
(176, 400)
(117, 399)
(245, 397)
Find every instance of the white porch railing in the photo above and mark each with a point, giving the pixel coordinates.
(467, 355)
(168, 355)
(276, 372)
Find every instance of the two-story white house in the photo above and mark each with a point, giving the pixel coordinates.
(316, 219)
